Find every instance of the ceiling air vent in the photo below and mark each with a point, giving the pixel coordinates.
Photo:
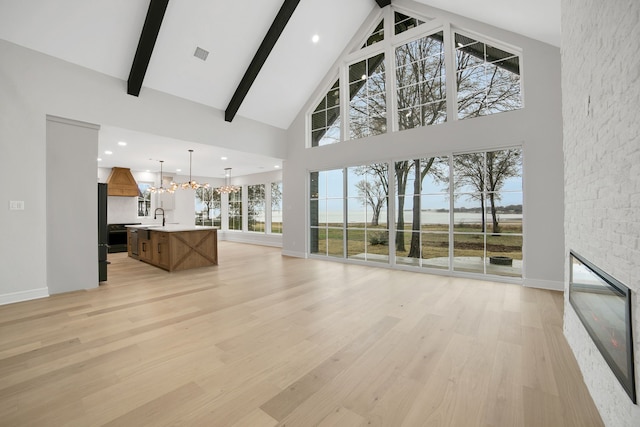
(201, 53)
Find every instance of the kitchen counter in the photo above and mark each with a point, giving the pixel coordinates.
(171, 228)
(174, 247)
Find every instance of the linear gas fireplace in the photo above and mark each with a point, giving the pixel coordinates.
(603, 304)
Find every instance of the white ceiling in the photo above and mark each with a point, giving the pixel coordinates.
(144, 151)
(103, 36)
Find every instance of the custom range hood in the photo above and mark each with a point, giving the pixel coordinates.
(121, 183)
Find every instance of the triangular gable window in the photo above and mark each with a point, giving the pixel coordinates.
(404, 23)
(376, 36)
(325, 120)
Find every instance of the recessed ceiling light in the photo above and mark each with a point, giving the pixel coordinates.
(315, 38)
(277, 166)
(122, 143)
(108, 152)
(178, 170)
(99, 159)
(223, 158)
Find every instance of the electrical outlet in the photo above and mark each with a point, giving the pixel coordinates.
(16, 205)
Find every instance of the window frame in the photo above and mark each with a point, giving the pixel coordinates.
(387, 46)
(514, 50)
(451, 233)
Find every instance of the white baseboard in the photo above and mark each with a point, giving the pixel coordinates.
(23, 296)
(253, 239)
(551, 285)
(294, 254)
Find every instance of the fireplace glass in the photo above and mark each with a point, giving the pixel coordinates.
(603, 304)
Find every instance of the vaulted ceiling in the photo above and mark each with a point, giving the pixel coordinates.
(103, 36)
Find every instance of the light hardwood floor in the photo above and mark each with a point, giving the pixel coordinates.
(265, 340)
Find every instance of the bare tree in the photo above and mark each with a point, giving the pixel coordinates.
(486, 175)
(211, 201)
(374, 189)
(255, 206)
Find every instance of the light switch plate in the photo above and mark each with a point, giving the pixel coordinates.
(16, 205)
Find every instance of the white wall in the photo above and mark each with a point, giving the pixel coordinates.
(537, 127)
(33, 85)
(72, 205)
(600, 63)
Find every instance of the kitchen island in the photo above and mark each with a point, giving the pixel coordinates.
(173, 247)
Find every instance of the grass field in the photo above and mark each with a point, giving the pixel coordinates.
(468, 241)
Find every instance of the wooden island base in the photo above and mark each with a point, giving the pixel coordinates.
(175, 248)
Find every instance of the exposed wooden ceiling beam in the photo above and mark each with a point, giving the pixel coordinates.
(383, 3)
(278, 25)
(147, 41)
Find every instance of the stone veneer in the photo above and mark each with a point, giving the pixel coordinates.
(600, 94)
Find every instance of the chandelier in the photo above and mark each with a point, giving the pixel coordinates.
(161, 189)
(191, 183)
(227, 187)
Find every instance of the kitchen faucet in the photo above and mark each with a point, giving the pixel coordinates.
(155, 214)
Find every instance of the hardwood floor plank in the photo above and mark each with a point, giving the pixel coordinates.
(152, 412)
(256, 418)
(264, 339)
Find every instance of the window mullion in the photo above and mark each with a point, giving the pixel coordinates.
(344, 102)
(450, 72)
(391, 208)
(451, 213)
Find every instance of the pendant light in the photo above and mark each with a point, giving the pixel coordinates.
(192, 184)
(161, 189)
(227, 187)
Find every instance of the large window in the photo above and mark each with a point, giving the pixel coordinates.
(487, 79)
(235, 210)
(367, 97)
(276, 207)
(207, 207)
(472, 226)
(144, 199)
(367, 216)
(420, 79)
(256, 208)
(327, 213)
(487, 223)
(422, 212)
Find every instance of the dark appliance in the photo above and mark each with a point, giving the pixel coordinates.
(103, 243)
(134, 243)
(118, 237)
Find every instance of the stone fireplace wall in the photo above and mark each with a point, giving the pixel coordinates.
(601, 119)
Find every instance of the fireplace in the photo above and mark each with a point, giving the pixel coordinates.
(603, 304)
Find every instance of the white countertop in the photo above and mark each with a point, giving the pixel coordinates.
(171, 228)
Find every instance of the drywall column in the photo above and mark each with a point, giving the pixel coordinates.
(72, 205)
(600, 93)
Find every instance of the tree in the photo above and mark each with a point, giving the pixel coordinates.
(211, 201)
(487, 79)
(486, 175)
(367, 98)
(420, 77)
(375, 189)
(255, 206)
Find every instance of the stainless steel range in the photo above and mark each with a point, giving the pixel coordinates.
(117, 237)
